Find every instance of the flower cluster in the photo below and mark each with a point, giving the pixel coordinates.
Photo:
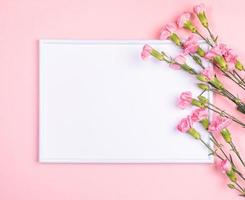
(221, 61)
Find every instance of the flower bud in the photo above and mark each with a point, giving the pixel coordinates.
(203, 99)
(175, 38)
(203, 86)
(232, 175)
(197, 103)
(199, 10)
(202, 78)
(239, 65)
(226, 135)
(197, 59)
(205, 123)
(200, 52)
(217, 83)
(194, 133)
(188, 69)
(231, 186)
(203, 19)
(220, 61)
(156, 54)
(189, 26)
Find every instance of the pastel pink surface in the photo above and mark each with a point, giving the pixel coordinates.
(22, 24)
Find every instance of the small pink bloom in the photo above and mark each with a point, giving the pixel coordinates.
(184, 125)
(182, 19)
(231, 66)
(175, 66)
(180, 59)
(199, 9)
(223, 48)
(164, 34)
(218, 124)
(166, 31)
(184, 100)
(215, 51)
(191, 44)
(171, 27)
(199, 114)
(208, 72)
(146, 52)
(228, 54)
(224, 166)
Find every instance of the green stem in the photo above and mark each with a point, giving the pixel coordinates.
(205, 39)
(211, 35)
(237, 153)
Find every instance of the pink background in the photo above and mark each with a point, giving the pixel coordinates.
(22, 23)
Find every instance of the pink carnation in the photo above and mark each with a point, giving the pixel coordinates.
(182, 19)
(224, 166)
(208, 73)
(218, 124)
(199, 114)
(166, 31)
(191, 44)
(229, 54)
(199, 9)
(215, 51)
(146, 52)
(222, 50)
(180, 59)
(184, 125)
(184, 100)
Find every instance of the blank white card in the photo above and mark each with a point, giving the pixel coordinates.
(101, 103)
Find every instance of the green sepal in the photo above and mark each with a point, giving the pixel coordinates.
(205, 123)
(197, 103)
(175, 38)
(217, 83)
(226, 135)
(189, 26)
(202, 78)
(188, 69)
(232, 175)
(194, 133)
(231, 186)
(220, 61)
(203, 86)
(239, 65)
(202, 99)
(200, 52)
(203, 19)
(156, 54)
(197, 59)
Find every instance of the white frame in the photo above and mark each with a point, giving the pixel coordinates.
(82, 160)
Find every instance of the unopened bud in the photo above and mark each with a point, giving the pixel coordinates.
(194, 133)
(217, 83)
(232, 175)
(175, 38)
(202, 78)
(197, 103)
(203, 99)
(156, 54)
(203, 86)
(226, 135)
(239, 65)
(189, 26)
(203, 19)
(220, 61)
(200, 52)
(205, 123)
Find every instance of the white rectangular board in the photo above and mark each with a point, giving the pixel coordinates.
(101, 103)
